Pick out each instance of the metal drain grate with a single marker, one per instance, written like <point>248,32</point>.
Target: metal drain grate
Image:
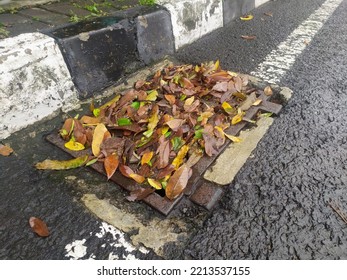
<point>199,190</point>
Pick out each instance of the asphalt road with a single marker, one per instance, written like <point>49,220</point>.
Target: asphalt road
<point>278,205</point>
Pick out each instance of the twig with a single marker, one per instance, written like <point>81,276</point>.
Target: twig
<point>339,212</point>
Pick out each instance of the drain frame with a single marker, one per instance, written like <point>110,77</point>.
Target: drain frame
<point>199,190</point>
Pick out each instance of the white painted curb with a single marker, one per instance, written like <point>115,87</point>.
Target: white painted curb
<point>34,79</point>
<point>260,2</point>
<point>193,19</point>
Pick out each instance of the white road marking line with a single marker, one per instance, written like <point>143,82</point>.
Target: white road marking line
<point>280,60</point>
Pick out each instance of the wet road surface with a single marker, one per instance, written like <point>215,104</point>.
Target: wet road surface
<point>278,205</point>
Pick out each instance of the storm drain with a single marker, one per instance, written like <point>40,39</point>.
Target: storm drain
<point>199,190</point>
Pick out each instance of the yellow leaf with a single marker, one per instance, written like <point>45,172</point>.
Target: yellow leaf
<point>98,137</point>
<point>178,160</point>
<point>155,184</point>
<point>62,164</point>
<point>189,101</point>
<point>205,116</point>
<point>219,132</point>
<point>138,178</point>
<point>216,65</point>
<point>146,158</point>
<point>236,119</point>
<point>164,130</point>
<point>246,17</point>
<point>152,95</point>
<point>257,102</point>
<point>109,103</point>
<point>154,119</point>
<point>228,108</point>
<point>233,138</point>
<point>232,74</point>
<point>74,146</point>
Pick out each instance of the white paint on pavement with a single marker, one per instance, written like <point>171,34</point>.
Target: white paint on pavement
<point>280,60</point>
<point>119,239</point>
<point>77,249</point>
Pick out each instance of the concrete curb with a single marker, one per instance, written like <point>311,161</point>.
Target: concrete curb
<point>43,73</point>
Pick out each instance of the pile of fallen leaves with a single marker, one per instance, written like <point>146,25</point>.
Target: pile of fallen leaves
<point>155,132</point>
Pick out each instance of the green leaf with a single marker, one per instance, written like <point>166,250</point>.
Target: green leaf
<point>143,141</point>
<point>135,105</point>
<point>265,115</point>
<point>64,132</point>
<point>167,134</point>
<point>124,121</point>
<point>198,134</point>
<point>164,184</point>
<point>148,133</point>
<point>94,160</point>
<point>96,112</point>
<point>176,143</point>
<point>183,97</point>
<point>176,79</point>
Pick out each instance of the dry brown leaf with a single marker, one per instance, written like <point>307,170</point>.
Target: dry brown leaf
<point>140,194</point>
<point>170,98</point>
<point>175,124</point>
<point>268,91</point>
<point>248,37</point>
<point>39,227</point>
<point>146,158</point>
<point>111,164</point>
<point>98,137</point>
<point>177,182</point>
<point>90,120</point>
<point>163,152</point>
<point>221,87</point>
<point>5,150</point>
<point>137,178</point>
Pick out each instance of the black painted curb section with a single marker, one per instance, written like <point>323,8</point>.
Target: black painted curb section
<point>100,52</point>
